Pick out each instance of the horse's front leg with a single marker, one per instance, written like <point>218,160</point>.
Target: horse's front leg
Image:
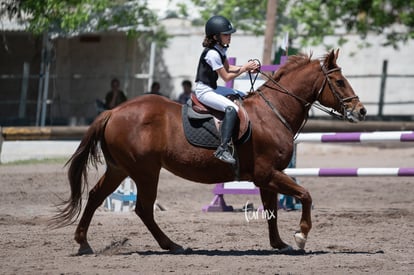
<point>282,183</point>
<point>269,200</point>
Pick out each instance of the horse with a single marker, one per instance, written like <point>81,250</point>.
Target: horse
<point>145,134</point>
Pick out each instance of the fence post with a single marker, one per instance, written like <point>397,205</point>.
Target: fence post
<point>23,94</point>
<point>382,88</point>
<point>41,79</point>
<point>151,64</point>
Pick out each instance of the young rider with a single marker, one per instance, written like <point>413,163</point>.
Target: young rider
<point>213,63</point>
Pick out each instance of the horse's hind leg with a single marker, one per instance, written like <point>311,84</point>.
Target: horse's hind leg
<point>269,200</point>
<point>104,187</point>
<point>147,183</point>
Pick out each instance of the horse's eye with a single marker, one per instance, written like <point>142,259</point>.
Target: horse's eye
<point>340,83</point>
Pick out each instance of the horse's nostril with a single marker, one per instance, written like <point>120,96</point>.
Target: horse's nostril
<point>363,111</point>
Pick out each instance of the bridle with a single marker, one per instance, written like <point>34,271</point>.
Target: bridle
<point>305,103</point>
<point>342,101</point>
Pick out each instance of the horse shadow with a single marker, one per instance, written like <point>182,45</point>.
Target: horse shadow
<point>249,252</point>
<point>119,247</point>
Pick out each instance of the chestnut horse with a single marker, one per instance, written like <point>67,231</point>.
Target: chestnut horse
<point>145,134</point>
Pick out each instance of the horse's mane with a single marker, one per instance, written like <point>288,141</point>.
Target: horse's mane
<point>294,61</point>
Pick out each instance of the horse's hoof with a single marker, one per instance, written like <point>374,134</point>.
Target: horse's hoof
<point>177,249</point>
<point>286,249</point>
<point>85,251</point>
<point>182,250</point>
<point>300,240</point>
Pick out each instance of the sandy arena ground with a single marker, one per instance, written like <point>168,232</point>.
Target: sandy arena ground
<point>360,225</point>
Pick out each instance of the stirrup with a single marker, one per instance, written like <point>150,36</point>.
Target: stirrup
<point>224,155</point>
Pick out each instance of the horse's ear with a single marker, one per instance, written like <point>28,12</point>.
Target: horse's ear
<point>330,60</point>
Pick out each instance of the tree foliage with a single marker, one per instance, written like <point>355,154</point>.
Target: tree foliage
<point>309,21</point>
<point>71,17</point>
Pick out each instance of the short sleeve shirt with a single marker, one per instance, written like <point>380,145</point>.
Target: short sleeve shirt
<point>213,58</point>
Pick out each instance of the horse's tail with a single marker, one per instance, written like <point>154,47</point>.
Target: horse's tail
<point>87,152</point>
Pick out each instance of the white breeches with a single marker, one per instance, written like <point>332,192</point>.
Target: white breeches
<point>215,99</point>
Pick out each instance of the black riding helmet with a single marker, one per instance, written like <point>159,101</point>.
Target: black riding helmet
<point>219,24</point>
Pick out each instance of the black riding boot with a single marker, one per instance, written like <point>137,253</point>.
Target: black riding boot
<point>226,130</point>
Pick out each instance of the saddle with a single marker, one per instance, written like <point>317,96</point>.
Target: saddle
<point>244,121</point>
<point>202,124</point>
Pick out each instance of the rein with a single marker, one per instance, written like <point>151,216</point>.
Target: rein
<point>253,80</point>
<point>305,103</point>
<point>273,108</point>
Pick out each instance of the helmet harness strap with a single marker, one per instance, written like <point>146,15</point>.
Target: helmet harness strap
<point>217,37</point>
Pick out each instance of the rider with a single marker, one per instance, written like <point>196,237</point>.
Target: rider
<point>213,63</point>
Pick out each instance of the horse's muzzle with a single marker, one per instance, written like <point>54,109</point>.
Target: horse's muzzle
<point>356,113</point>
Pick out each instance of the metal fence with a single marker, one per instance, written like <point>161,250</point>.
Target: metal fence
<point>384,78</point>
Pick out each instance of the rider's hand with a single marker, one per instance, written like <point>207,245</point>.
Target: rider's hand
<point>251,66</point>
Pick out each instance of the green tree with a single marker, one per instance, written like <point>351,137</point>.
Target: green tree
<point>71,17</point>
<point>309,21</point>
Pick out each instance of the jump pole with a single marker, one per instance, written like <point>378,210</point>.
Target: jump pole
<point>350,172</point>
<point>218,203</point>
<point>397,136</point>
